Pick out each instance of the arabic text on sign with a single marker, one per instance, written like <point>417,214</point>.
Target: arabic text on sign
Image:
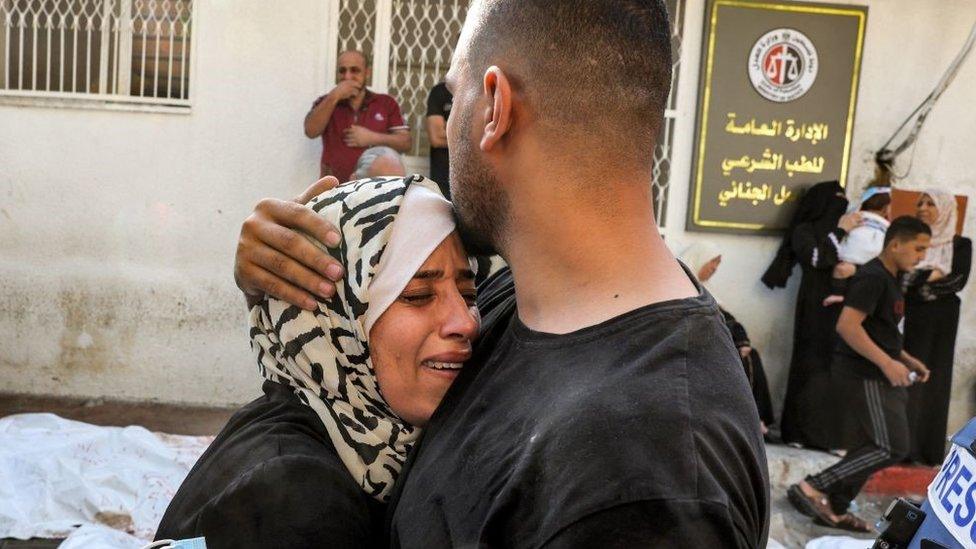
<point>754,194</point>
<point>770,161</point>
<point>789,129</point>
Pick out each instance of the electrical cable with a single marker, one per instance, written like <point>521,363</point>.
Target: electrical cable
<point>887,155</point>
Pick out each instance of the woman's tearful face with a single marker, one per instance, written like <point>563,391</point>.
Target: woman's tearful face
<point>420,343</point>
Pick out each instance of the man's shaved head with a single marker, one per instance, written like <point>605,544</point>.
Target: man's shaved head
<point>354,56</point>
<point>596,67</point>
<point>579,81</point>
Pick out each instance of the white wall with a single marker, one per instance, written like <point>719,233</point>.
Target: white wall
<point>118,229</point>
<point>908,46</point>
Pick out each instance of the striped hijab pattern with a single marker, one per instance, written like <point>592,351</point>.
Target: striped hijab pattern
<point>324,355</point>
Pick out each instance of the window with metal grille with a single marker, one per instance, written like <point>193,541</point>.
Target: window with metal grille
<point>661,180</point>
<point>418,64</point>
<point>411,42</point>
<point>129,51</point>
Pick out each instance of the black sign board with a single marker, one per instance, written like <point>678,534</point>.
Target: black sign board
<point>776,109</point>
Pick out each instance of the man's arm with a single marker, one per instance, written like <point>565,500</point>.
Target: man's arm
<point>358,136</point>
<point>318,118</point>
<point>399,131</point>
<point>437,131</point>
<point>274,257</point>
<point>399,140</point>
<point>851,330</point>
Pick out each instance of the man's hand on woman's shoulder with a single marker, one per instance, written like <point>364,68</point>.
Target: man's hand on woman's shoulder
<point>274,258</point>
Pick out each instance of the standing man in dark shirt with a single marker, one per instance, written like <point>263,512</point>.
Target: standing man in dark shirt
<point>439,104</point>
<point>604,405</point>
<point>351,119</point>
<point>870,373</point>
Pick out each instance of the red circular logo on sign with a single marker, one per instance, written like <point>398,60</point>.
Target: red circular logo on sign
<point>783,65</point>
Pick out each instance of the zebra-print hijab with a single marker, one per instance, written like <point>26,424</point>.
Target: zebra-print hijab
<point>324,355</point>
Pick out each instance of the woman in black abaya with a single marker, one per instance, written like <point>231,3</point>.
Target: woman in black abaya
<point>931,323</point>
<point>812,241</point>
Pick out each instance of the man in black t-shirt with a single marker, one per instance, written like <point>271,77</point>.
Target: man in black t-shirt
<point>438,111</point>
<point>604,405</point>
<point>870,372</point>
<point>633,432</point>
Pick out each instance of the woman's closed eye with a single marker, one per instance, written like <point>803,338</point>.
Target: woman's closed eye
<point>417,298</point>
<point>424,297</point>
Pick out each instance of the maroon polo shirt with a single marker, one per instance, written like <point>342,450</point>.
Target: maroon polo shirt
<point>379,113</point>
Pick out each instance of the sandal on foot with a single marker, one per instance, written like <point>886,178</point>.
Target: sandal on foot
<point>847,521</point>
<point>806,505</point>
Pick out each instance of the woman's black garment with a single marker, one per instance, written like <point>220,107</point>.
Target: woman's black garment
<point>931,323</point>
<point>817,203</point>
<point>808,410</point>
<point>272,478</point>
<point>753,367</point>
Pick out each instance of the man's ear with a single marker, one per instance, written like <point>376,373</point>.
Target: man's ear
<point>498,112</point>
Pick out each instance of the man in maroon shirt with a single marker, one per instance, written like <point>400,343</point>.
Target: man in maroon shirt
<point>350,119</point>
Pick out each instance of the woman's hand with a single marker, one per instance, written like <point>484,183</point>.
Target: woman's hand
<point>850,221</point>
<point>844,270</point>
<point>274,257</point>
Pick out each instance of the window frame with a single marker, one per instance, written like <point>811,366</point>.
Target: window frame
<point>115,102</point>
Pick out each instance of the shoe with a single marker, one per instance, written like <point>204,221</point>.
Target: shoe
<point>808,506</point>
<point>847,521</point>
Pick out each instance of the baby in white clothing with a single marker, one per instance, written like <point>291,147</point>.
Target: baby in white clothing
<point>863,243</point>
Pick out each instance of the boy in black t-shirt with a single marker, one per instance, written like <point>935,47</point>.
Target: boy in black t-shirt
<point>870,372</point>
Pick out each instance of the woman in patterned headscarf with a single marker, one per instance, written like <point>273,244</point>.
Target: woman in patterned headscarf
<point>931,323</point>
<point>313,461</point>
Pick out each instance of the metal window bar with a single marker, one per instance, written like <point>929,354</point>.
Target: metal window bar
<point>130,51</point>
<point>33,71</point>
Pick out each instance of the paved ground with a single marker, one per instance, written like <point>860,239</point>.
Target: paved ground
<point>789,465</point>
